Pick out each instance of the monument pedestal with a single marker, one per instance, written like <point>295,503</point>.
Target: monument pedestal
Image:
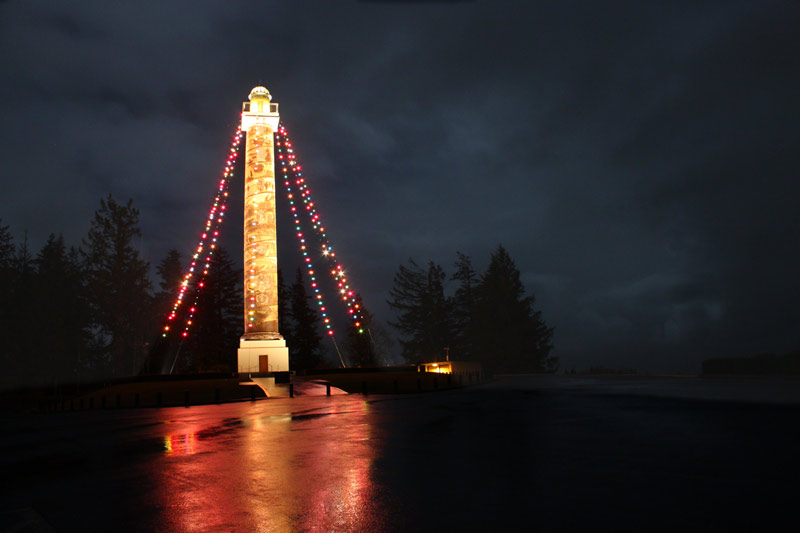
<point>263,356</point>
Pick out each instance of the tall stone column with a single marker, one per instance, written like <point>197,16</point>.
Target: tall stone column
<point>260,237</point>
<point>261,347</point>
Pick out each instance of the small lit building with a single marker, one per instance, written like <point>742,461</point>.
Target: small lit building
<point>439,368</point>
<point>457,368</point>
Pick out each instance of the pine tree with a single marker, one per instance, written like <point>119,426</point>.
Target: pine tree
<point>162,349</point>
<point>510,335</point>
<point>171,272</point>
<point>119,287</point>
<point>463,308</point>
<point>358,344</point>
<point>25,319</point>
<point>7,275</point>
<point>218,322</point>
<point>284,316</point>
<point>423,311</point>
<point>59,289</point>
<point>305,351</point>
<point>6,248</point>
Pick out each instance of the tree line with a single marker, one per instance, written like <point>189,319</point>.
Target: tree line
<point>87,313</point>
<point>301,326</point>
<point>488,318</point>
<point>76,314</point>
<point>61,318</point>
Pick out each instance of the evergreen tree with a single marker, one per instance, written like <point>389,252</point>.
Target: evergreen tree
<point>162,349</point>
<point>406,297</point>
<point>7,275</point>
<point>423,311</point>
<point>284,315</point>
<point>382,342</point>
<point>218,322</point>
<point>59,288</point>
<point>6,248</point>
<point>159,357</point>
<point>510,335</point>
<point>118,287</point>
<point>305,351</point>
<point>463,308</point>
<point>171,272</point>
<point>358,343</point>
<point>25,319</point>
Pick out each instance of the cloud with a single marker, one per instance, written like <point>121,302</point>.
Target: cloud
<point>639,161</point>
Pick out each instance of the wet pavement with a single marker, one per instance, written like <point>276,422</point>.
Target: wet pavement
<point>521,453</point>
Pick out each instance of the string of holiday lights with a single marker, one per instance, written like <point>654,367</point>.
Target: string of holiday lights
<point>200,265</point>
<point>281,149</point>
<point>292,175</point>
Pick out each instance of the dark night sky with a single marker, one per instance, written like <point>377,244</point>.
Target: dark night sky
<point>638,160</point>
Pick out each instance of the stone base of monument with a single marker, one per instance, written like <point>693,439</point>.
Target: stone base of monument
<point>263,356</point>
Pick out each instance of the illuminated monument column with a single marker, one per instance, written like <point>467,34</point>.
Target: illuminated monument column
<point>261,348</point>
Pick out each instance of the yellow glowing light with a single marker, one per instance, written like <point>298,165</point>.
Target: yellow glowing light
<point>439,368</point>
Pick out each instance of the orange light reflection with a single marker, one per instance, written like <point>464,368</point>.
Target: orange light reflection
<point>259,469</point>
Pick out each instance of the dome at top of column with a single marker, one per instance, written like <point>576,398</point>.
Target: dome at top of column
<point>260,92</point>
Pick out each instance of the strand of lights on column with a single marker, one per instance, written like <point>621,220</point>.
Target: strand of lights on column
<point>280,146</point>
<point>291,173</point>
<point>207,243</point>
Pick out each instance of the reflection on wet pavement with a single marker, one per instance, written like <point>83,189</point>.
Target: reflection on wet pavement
<point>549,453</point>
<point>273,472</point>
